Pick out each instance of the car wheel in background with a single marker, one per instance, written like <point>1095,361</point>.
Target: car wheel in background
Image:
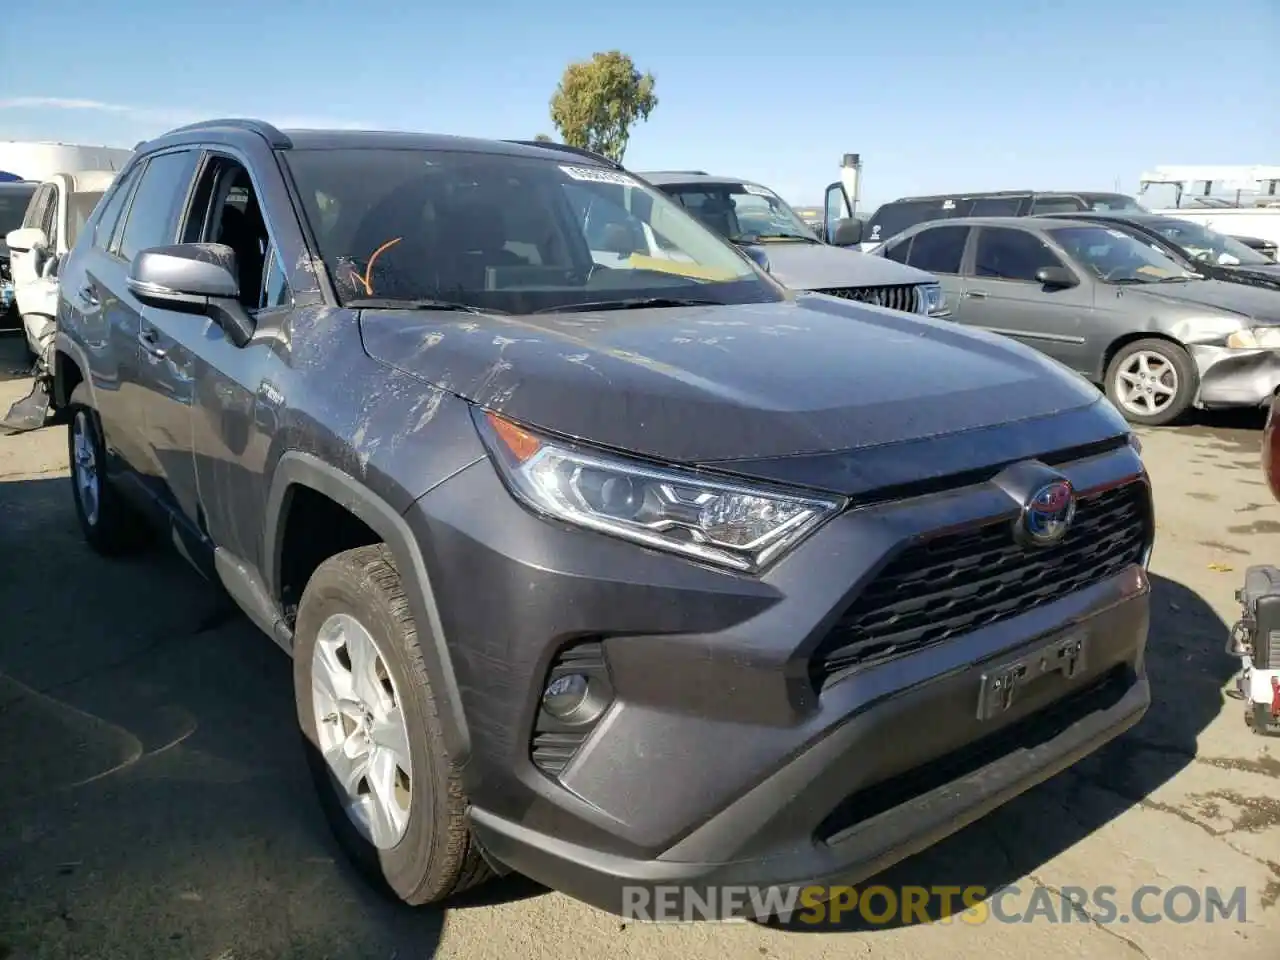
<point>110,525</point>
<point>389,790</point>
<point>1151,382</point>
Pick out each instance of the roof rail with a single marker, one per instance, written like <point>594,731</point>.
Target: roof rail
<point>275,139</point>
<point>577,151</point>
<point>970,195</point>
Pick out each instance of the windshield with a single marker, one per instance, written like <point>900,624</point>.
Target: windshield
<point>1112,201</point>
<point>1207,245</point>
<point>1115,256</point>
<point>507,233</point>
<point>13,207</point>
<point>743,212</point>
<point>81,208</point>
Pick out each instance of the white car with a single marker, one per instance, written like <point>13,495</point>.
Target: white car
<point>57,210</point>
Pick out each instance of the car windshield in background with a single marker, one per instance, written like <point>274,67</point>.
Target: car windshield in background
<point>1102,202</point>
<point>13,206</point>
<point>81,208</point>
<point>1207,245</point>
<point>1115,256</point>
<point>743,212</point>
<point>431,228</point>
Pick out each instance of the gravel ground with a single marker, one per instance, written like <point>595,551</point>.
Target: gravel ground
<point>154,802</point>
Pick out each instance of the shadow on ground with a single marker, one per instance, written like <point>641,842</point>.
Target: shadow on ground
<point>155,800</point>
<point>13,360</point>
<point>1188,668</point>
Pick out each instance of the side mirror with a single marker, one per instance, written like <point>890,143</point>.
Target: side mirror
<point>847,232</point>
<point>1056,278</point>
<point>193,278</point>
<point>757,256</point>
<point>26,239</point>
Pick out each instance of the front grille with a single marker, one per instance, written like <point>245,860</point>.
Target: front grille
<point>904,297</point>
<point>954,583</point>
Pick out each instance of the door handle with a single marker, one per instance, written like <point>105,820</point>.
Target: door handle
<point>147,339</point>
<point>88,295</point>
<point>976,294</point>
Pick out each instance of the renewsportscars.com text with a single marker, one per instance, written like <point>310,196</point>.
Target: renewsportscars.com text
<point>901,906</point>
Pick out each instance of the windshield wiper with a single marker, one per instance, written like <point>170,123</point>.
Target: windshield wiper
<point>391,303</point>
<point>753,237</point>
<point>629,303</point>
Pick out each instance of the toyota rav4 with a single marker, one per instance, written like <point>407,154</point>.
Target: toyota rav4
<point>608,570</point>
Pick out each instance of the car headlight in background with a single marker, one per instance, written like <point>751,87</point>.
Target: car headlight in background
<point>1258,338</point>
<point>730,525</point>
<point>932,302</point>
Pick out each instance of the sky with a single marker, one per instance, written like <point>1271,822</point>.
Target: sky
<point>936,96</point>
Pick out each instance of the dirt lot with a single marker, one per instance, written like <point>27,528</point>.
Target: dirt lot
<point>154,804</point>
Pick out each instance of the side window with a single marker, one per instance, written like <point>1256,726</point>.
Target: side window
<point>897,251</point>
<point>1043,205</point>
<point>275,285</point>
<point>49,222</point>
<point>996,207</point>
<point>939,250</point>
<point>34,216</point>
<point>225,209</point>
<point>1007,254</point>
<point>105,225</point>
<point>152,220</point>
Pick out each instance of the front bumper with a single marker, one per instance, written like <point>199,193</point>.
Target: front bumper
<point>719,760</point>
<point>1235,378</point>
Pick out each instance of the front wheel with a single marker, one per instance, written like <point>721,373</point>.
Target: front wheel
<point>389,789</point>
<point>1152,382</point>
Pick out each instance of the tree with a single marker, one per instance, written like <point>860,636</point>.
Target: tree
<point>543,138</point>
<point>599,100</point>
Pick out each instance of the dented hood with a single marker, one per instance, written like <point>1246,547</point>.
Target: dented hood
<point>803,376</point>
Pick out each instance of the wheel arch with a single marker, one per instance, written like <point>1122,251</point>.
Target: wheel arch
<point>297,469</point>
<point>71,367</point>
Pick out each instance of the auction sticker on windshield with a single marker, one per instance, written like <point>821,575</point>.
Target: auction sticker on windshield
<point>592,175</point>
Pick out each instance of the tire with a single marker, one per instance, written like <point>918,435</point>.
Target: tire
<point>1169,364</point>
<point>433,856</point>
<point>110,525</point>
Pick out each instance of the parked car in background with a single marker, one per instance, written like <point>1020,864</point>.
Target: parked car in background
<point>1158,338</point>
<point>894,217</point>
<point>752,215</point>
<point>618,573</point>
<point>15,196</point>
<point>57,212</point>
<point>1193,247</point>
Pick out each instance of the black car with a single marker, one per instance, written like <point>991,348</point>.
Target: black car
<point>15,195</point>
<point>1193,247</point>
<point>618,571</point>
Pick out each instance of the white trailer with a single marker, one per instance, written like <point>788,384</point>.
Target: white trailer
<point>40,160</point>
<point>1240,201</point>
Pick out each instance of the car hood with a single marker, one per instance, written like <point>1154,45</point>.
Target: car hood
<point>1248,301</point>
<point>755,381</point>
<point>1265,275</point>
<point>813,266</point>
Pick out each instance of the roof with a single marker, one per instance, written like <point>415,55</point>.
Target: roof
<point>369,140</point>
<point>1026,222</point>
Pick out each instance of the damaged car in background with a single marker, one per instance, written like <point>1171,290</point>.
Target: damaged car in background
<point>1158,338</point>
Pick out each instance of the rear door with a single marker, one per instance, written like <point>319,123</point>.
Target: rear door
<point>1003,296</point>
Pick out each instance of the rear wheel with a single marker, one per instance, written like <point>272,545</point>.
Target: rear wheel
<point>388,787</point>
<point>1152,382</point>
<point>109,524</point>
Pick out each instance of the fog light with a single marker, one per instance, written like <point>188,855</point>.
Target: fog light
<point>564,695</point>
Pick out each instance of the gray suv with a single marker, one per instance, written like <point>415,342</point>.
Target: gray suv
<point>609,571</point>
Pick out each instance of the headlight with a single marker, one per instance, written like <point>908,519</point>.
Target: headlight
<point>1264,338</point>
<point>740,527</point>
<point>932,303</point>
